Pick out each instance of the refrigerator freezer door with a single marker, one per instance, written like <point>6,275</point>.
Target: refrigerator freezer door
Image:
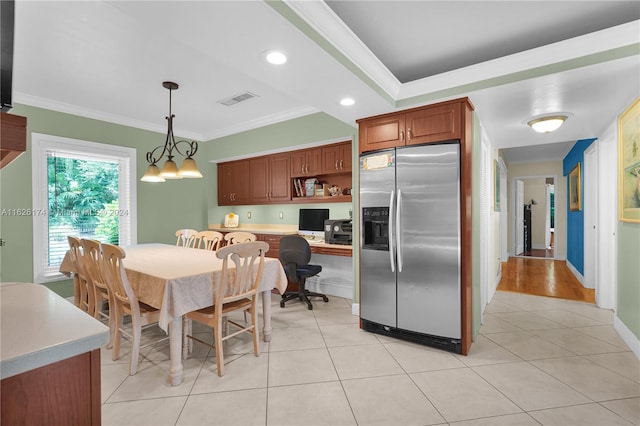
<point>429,239</point>
<point>377,279</point>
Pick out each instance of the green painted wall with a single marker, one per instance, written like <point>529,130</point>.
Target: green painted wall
<point>162,208</point>
<point>310,129</point>
<point>629,276</point>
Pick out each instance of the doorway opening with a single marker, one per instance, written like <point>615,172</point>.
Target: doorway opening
<point>535,224</point>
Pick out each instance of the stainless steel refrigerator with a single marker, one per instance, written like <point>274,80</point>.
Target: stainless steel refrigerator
<point>410,244</point>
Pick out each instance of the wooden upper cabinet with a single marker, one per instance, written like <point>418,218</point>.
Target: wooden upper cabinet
<point>433,123</point>
<point>306,162</point>
<point>279,178</point>
<point>259,179</point>
<point>381,133</point>
<point>13,137</point>
<point>336,158</point>
<point>233,183</point>
<point>269,179</point>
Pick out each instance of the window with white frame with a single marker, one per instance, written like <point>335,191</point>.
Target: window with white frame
<point>80,188</point>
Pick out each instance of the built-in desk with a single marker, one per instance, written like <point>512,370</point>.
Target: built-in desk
<point>336,277</point>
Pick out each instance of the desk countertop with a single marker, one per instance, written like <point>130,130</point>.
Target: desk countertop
<point>275,230</point>
<point>40,328</point>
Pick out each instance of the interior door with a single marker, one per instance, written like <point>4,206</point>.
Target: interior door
<point>519,215</point>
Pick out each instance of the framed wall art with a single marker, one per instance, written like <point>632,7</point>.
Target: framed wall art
<point>629,163</point>
<point>574,189</point>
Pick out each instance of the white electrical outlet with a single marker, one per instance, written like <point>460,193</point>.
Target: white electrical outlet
<point>248,215</point>
<point>281,215</point>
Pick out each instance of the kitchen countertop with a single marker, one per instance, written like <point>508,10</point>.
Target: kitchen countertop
<point>39,327</point>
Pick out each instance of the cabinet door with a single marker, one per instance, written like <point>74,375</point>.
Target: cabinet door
<point>331,159</point>
<point>298,163</point>
<point>259,180</point>
<point>279,178</point>
<point>345,157</point>
<point>433,124</point>
<point>381,133</point>
<point>240,183</point>
<point>314,162</point>
<point>224,184</point>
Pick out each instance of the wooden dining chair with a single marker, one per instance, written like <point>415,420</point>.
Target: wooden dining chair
<point>208,240</point>
<point>125,302</point>
<point>235,290</point>
<point>186,237</point>
<point>237,237</point>
<point>98,283</point>
<point>80,279</point>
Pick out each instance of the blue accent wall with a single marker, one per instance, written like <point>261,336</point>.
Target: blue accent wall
<point>575,219</point>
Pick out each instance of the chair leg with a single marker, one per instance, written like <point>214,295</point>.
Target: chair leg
<point>136,330</point>
<point>117,319</point>
<point>113,325</point>
<point>255,331</point>
<point>217,331</point>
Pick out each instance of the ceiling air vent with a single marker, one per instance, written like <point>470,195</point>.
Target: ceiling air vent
<point>237,99</point>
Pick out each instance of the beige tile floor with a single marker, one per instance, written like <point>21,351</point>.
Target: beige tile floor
<point>536,361</point>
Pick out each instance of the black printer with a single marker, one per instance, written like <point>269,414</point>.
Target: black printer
<point>337,231</point>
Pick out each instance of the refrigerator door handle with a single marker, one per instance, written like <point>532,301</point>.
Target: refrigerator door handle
<point>391,218</point>
<point>398,228</point>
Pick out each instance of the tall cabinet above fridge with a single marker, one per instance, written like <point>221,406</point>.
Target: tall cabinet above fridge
<point>415,225</point>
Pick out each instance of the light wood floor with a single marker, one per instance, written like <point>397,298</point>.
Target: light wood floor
<point>543,277</point>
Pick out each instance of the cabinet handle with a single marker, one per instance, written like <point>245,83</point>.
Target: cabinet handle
<point>341,164</point>
<point>337,162</point>
<point>302,169</point>
<point>402,135</point>
<point>408,134</point>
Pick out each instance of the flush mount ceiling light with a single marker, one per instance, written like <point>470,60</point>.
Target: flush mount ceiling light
<point>548,123</point>
<point>347,102</point>
<point>189,169</point>
<point>276,57</point>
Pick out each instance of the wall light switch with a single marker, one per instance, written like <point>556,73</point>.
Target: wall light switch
<point>281,215</point>
<point>248,215</point>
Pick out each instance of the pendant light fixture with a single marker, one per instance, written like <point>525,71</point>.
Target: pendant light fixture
<point>189,169</point>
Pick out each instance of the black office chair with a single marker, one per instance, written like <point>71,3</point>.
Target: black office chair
<point>295,254</point>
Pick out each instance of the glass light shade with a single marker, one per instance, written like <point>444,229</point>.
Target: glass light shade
<point>276,58</point>
<point>189,169</point>
<point>152,174</point>
<point>547,124</point>
<point>170,170</point>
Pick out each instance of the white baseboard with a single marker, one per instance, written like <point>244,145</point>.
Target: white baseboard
<point>575,272</point>
<point>355,309</point>
<point>330,287</point>
<point>627,335</point>
<point>539,246</point>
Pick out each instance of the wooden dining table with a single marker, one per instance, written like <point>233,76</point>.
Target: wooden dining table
<point>178,280</point>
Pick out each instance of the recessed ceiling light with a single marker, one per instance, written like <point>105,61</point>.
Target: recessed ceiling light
<point>276,57</point>
<point>347,102</point>
<point>547,123</point>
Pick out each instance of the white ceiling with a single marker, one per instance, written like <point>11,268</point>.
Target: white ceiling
<point>107,60</point>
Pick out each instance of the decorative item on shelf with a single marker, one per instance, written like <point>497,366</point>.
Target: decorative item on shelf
<point>231,220</point>
<point>335,190</point>
<point>347,191</point>
<point>189,169</point>
<point>310,186</point>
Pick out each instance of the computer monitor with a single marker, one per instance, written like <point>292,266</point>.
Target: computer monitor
<point>311,222</point>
